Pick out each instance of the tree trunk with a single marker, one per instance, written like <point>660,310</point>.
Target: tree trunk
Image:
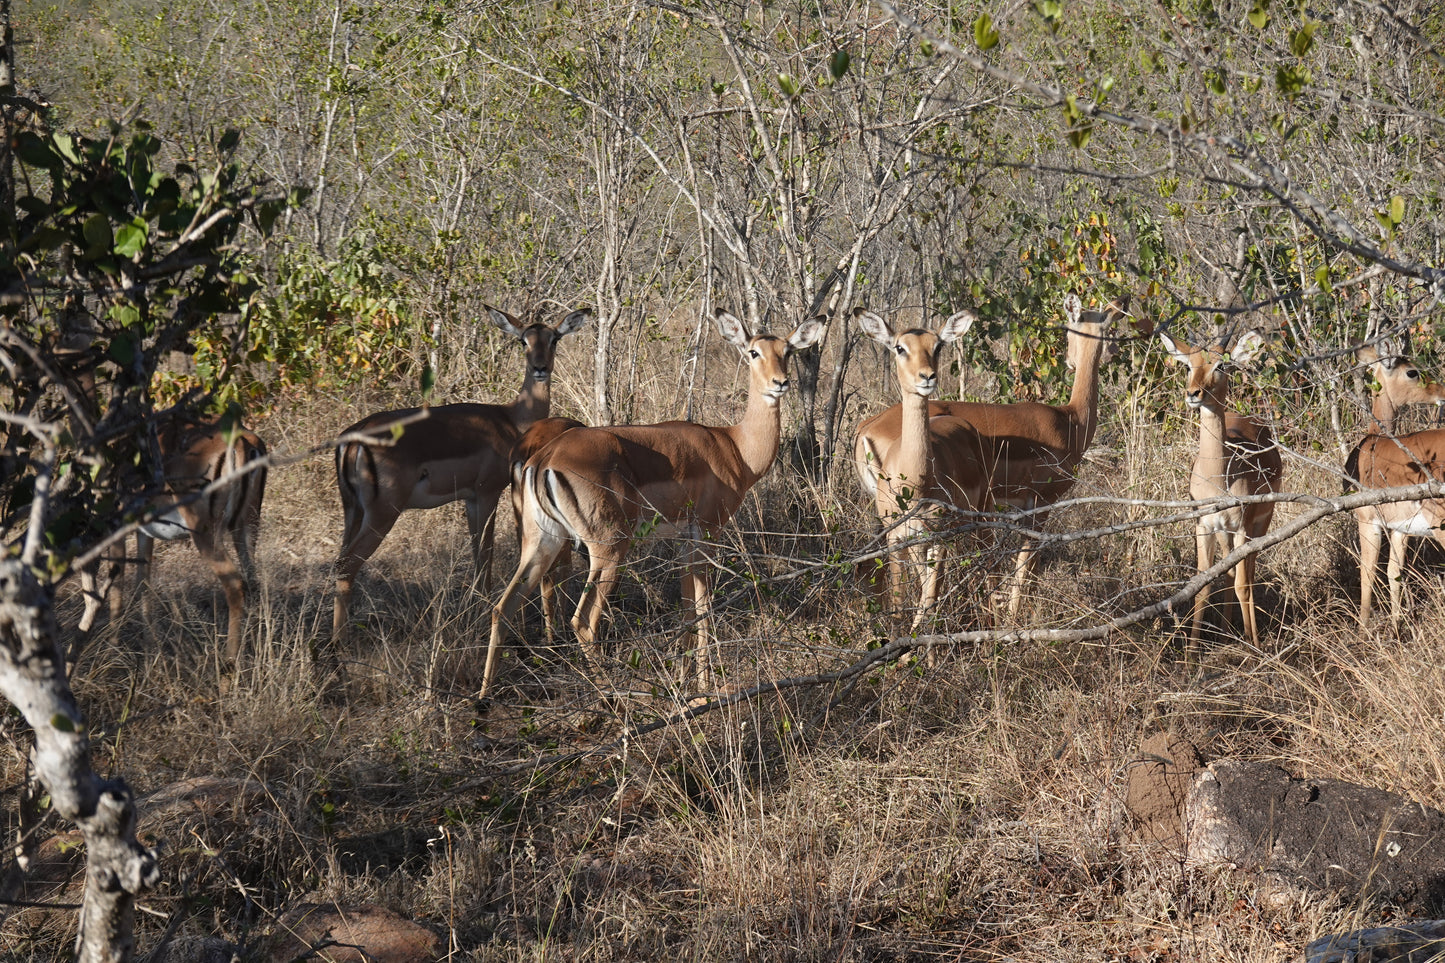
<point>32,677</point>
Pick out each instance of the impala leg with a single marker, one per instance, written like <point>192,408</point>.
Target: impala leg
<point>1023,567</point>
<point>364,534</point>
<point>482,526</point>
<point>145,550</point>
<point>100,589</point>
<point>549,591</point>
<point>933,558</point>
<point>602,577</point>
<point>697,594</point>
<point>1370,536</point>
<point>535,563</point>
<point>1394,571</point>
<point>1244,591</point>
<point>208,543</point>
<point>1204,553</point>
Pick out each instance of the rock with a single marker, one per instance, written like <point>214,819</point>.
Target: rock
<point>1324,834</point>
<point>1158,785</point>
<point>1409,943</point>
<point>360,934</point>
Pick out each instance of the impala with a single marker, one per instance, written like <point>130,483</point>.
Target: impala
<point>1237,456</point>
<point>601,487</point>
<point>1384,460</point>
<point>451,453</point>
<point>195,453</point>
<point>1032,450</point>
<point>923,466</point>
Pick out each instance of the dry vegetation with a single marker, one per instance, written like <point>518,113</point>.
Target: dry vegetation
<point>970,810</point>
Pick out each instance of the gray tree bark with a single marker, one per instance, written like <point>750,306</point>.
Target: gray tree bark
<point>32,677</point>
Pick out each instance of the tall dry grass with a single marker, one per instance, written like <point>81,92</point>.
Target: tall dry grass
<point>965,810</point>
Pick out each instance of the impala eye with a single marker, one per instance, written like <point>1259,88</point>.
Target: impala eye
<point>754,353</point>
<point>1413,373</point>
<point>902,351</point>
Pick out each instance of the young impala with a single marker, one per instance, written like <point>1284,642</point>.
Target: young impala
<point>195,453</point>
<point>1384,460</point>
<point>454,453</point>
<point>918,467</point>
<point>1237,456</point>
<point>602,487</point>
<point>1033,450</point>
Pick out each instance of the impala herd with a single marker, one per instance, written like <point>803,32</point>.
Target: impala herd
<point>927,466</point>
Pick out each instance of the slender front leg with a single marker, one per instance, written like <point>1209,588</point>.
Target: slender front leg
<point>1394,571</point>
<point>482,527</point>
<point>1204,553</point>
<point>697,595</point>
<point>1023,566</point>
<point>1370,536</point>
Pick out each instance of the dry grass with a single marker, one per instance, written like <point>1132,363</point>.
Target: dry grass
<point>965,811</point>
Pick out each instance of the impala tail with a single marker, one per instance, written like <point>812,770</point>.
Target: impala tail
<point>552,502</point>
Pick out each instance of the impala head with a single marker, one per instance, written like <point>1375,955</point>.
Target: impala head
<point>915,351</point>
<point>767,355</point>
<point>1089,330</point>
<point>1209,368</point>
<point>538,339</point>
<point>1399,380</point>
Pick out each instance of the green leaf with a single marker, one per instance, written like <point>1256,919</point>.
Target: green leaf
<point>35,151</point>
<point>788,84</point>
<point>927,48</point>
<point>838,64</point>
<point>228,140</point>
<point>1259,14</point>
<point>428,380</point>
<point>1397,209</point>
<point>96,231</point>
<point>63,723</point>
<point>1301,40</point>
<point>121,350</point>
<point>1322,277</point>
<point>983,32</point>
<point>130,240</point>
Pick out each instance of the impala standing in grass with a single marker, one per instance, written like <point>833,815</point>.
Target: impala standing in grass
<point>1237,456</point>
<point>459,452</point>
<point>601,487</point>
<point>920,470</point>
<point>1384,460</point>
<point>1032,450</point>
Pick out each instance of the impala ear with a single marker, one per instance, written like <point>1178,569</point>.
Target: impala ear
<point>573,322</point>
<point>1247,348</point>
<point>1177,349</point>
<point>874,326</point>
<point>504,321</point>
<point>1073,307</point>
<point>1368,354</point>
<point>807,334</point>
<point>732,328</point>
<point>957,326</point>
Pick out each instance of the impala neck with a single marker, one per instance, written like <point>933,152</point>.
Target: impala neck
<point>533,401</point>
<point>1383,410</point>
<point>1083,403</point>
<point>1210,465</point>
<point>911,462</point>
<point>759,434</point>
